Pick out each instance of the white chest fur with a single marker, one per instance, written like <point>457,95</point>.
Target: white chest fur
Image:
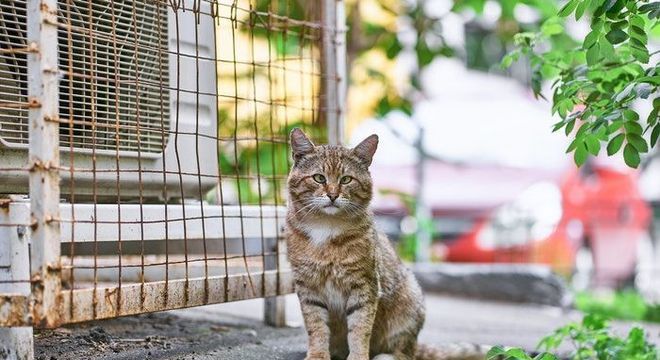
<point>319,235</point>
<point>320,232</point>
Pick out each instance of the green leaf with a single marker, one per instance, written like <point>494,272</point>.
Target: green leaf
<point>640,54</point>
<point>639,33</point>
<point>393,48</point>
<point>606,49</point>
<point>655,80</point>
<point>631,156</point>
<point>638,42</point>
<point>630,115</point>
<point>624,93</point>
<point>604,7</point>
<point>593,55</point>
<point>615,8</point>
<point>650,8</point>
<point>593,145</point>
<point>638,142</point>
<point>580,154</point>
<point>579,10</point>
<point>620,24</point>
<point>509,58</point>
<point>654,135</point>
<point>569,127</point>
<point>591,38</point>
<point>633,127</point>
<point>615,144</point>
<point>616,36</point>
<point>518,354</point>
<point>652,119</point>
<point>614,126</point>
<point>425,55</point>
<point>545,356</point>
<point>573,145</point>
<point>495,352</point>
<point>568,8</point>
<point>551,28</point>
<point>637,21</point>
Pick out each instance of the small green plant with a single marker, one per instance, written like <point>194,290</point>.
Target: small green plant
<point>624,305</point>
<point>652,313</point>
<point>591,339</point>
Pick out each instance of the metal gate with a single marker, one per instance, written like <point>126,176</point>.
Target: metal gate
<point>144,151</point>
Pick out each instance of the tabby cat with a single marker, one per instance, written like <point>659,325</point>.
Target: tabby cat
<point>358,300</point>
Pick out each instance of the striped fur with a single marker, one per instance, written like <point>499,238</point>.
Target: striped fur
<point>358,300</point>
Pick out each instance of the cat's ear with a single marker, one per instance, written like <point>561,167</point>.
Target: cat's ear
<point>366,149</point>
<point>300,144</point>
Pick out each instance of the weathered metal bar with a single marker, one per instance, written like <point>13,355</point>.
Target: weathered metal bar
<point>44,159</point>
<point>147,222</point>
<point>16,340</point>
<point>154,269</point>
<point>15,314</point>
<point>334,68</point>
<point>274,306</point>
<point>153,292</point>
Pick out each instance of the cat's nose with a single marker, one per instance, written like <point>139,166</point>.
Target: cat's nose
<point>332,196</point>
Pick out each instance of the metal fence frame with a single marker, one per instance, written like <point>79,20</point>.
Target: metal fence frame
<point>32,295</point>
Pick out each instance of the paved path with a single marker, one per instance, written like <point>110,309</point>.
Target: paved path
<point>235,332</point>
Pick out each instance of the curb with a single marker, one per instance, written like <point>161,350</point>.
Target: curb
<point>535,284</point>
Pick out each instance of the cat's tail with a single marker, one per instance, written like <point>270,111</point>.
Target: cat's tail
<point>457,351</point>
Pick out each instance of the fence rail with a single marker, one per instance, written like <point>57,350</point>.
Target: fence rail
<point>144,152</point>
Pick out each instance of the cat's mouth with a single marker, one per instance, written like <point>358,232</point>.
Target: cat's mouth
<point>330,209</point>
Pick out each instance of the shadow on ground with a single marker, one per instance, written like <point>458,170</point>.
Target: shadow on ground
<point>168,336</point>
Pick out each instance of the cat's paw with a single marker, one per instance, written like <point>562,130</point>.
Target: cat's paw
<point>318,356</point>
<point>358,357</point>
<point>384,357</point>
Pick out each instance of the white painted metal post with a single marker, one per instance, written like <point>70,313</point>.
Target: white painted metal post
<point>43,88</point>
<point>274,306</point>
<point>334,79</point>
<point>15,342</point>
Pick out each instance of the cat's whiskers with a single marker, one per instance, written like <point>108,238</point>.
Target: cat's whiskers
<point>314,207</point>
<point>304,208</point>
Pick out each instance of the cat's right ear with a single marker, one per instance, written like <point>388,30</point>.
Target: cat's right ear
<point>300,144</point>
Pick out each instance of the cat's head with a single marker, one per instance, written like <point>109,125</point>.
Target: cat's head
<point>329,180</point>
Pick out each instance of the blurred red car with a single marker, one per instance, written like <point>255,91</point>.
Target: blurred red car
<point>576,220</point>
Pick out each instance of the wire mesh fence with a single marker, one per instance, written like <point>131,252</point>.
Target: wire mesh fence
<point>144,149</point>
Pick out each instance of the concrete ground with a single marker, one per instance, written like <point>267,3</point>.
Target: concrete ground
<point>235,331</point>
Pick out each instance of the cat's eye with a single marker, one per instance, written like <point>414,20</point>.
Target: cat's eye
<point>319,178</point>
<point>345,180</point>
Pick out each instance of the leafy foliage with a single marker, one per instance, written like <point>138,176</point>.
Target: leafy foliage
<point>595,80</point>
<point>591,339</point>
<point>595,83</point>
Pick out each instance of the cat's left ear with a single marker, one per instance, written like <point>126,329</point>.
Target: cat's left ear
<point>366,149</point>
<point>300,144</point>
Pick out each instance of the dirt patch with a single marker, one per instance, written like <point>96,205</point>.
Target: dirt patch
<point>150,336</point>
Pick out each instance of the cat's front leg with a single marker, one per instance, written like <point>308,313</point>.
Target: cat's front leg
<point>360,313</point>
<point>315,315</point>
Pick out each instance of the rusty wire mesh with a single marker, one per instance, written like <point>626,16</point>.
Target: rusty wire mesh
<point>14,218</point>
<point>173,130</point>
